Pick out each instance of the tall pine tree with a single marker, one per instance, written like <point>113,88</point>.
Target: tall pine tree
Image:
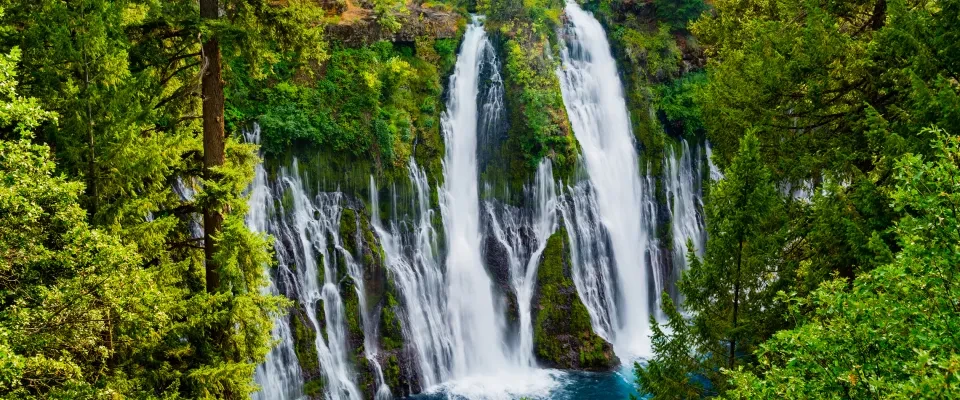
<point>729,294</point>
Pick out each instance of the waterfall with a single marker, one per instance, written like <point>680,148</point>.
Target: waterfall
<point>412,252</point>
<point>279,376</point>
<point>524,237</point>
<point>715,174</point>
<point>684,201</point>
<point>451,320</point>
<point>478,342</point>
<point>595,102</point>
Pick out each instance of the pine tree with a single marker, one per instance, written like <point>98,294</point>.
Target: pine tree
<point>125,78</point>
<point>728,294</point>
<point>892,332</point>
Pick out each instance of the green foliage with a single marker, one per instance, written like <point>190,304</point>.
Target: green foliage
<point>677,102</point>
<point>75,298</point>
<point>678,13</point>
<point>676,370</point>
<point>387,11</point>
<point>538,119</point>
<point>121,76</point>
<point>835,95</point>
<point>378,102</point>
<point>654,53</point>
<point>893,333</point>
<point>539,122</point>
<point>730,293</point>
<point>808,78</point>
<point>23,114</point>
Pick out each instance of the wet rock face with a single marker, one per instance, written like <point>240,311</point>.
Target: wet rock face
<point>360,27</point>
<point>395,359</point>
<point>563,335</point>
<point>497,260</point>
<point>399,372</point>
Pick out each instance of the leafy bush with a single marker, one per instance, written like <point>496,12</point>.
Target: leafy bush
<point>373,101</point>
<point>678,13</point>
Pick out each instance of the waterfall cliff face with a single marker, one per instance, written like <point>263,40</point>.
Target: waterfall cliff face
<point>439,292</point>
<point>593,95</point>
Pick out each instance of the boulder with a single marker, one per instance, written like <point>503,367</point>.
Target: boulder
<point>563,335</point>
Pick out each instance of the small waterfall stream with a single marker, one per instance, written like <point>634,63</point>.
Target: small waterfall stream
<point>308,231</point>
<point>411,246</point>
<point>685,202</point>
<point>524,237</point>
<point>279,376</point>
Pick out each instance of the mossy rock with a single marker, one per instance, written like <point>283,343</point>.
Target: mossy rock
<point>314,388</point>
<point>351,308</point>
<point>563,335</point>
<point>348,230</point>
<point>391,332</point>
<point>304,342</point>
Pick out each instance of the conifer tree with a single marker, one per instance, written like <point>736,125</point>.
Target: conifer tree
<point>892,332</point>
<point>728,294</point>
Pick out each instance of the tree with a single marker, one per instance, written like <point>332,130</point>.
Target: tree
<point>729,293</point>
<point>214,144</point>
<point>125,77</point>
<point>893,334</point>
<point>74,301</point>
<point>836,92</point>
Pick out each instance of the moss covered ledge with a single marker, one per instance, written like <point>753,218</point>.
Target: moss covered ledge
<point>563,336</point>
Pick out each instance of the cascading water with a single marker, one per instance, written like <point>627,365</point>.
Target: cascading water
<point>509,226</point>
<point>681,183</point>
<point>593,272</point>
<point>303,232</point>
<point>478,342</point>
<point>279,376</point>
<point>594,99</point>
<point>412,252</point>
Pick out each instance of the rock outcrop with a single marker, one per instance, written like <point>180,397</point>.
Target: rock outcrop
<point>563,337</point>
<point>359,26</point>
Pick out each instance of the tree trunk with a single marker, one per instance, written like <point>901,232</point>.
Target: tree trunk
<point>879,17</point>
<point>736,307</point>
<point>213,139</point>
